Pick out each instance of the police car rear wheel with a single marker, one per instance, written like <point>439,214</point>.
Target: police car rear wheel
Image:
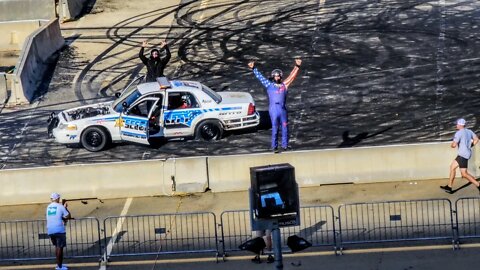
<point>94,139</point>
<point>209,130</point>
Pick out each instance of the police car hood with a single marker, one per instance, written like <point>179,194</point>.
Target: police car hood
<point>88,111</point>
<point>235,97</point>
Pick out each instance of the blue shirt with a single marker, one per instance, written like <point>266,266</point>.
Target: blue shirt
<point>55,213</point>
<point>463,138</point>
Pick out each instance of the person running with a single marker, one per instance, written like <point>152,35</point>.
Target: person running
<point>155,64</point>
<point>277,90</point>
<point>57,216</point>
<point>464,139</point>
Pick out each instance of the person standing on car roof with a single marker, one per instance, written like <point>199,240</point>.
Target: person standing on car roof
<point>155,64</point>
<point>277,90</point>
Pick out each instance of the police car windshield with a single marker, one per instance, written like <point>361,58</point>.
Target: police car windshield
<point>214,95</point>
<point>128,97</point>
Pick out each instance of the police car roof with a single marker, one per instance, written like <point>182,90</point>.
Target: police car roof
<point>150,87</point>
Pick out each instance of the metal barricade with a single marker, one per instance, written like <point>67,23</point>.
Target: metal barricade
<point>161,234</point>
<point>395,221</point>
<point>317,225</point>
<point>28,239</point>
<point>468,218</point>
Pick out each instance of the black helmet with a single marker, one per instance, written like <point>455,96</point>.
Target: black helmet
<point>277,72</point>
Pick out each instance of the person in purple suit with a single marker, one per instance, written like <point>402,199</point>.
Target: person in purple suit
<point>277,90</point>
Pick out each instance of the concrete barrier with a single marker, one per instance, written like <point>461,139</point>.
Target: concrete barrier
<point>112,180</point>
<point>3,88</point>
<point>70,9</point>
<point>15,10</point>
<point>14,33</point>
<point>104,181</point>
<point>188,175</point>
<point>346,165</point>
<point>228,173</point>
<point>32,64</point>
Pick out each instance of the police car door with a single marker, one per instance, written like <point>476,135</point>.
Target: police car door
<point>182,110</point>
<point>135,125</point>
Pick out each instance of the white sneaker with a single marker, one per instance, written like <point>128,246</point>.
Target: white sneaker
<point>64,267</point>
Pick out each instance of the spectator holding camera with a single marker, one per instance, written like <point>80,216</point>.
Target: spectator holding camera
<point>57,216</point>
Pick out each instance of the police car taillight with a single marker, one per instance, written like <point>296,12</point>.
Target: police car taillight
<point>251,109</point>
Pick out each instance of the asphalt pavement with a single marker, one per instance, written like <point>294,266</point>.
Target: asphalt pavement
<point>373,73</point>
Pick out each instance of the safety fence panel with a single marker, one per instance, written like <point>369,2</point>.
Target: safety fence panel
<point>317,225</point>
<point>468,217</point>
<point>161,234</point>
<point>28,239</point>
<point>395,221</point>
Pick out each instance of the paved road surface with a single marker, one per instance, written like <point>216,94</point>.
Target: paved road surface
<point>374,73</point>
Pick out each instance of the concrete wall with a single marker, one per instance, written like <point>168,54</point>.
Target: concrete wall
<point>70,9</point>
<point>14,33</point>
<point>6,82</point>
<point>17,10</point>
<point>112,180</point>
<point>3,88</point>
<point>346,165</point>
<point>32,64</point>
<point>228,173</point>
<point>187,175</point>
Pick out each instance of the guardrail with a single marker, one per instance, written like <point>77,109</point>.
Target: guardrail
<point>28,240</point>
<point>395,221</point>
<point>162,234</point>
<point>183,233</point>
<point>467,218</point>
<point>317,225</point>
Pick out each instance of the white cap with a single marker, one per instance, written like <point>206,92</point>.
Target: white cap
<point>55,196</point>
<point>461,122</point>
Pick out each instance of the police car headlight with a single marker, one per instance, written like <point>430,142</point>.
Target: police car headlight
<point>67,126</point>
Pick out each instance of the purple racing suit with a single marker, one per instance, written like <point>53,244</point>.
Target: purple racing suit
<point>277,95</point>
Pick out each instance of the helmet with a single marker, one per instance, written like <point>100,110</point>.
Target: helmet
<point>277,72</point>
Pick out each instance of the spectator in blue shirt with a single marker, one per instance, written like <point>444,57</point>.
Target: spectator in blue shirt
<point>464,139</point>
<point>57,216</point>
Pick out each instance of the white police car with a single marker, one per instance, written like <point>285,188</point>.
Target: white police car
<point>162,109</point>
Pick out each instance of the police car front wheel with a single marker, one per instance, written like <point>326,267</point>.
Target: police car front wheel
<point>209,130</point>
<point>94,139</point>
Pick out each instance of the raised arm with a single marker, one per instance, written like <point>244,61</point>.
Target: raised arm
<point>294,73</point>
<point>168,55</point>
<point>141,53</point>
<point>265,82</point>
